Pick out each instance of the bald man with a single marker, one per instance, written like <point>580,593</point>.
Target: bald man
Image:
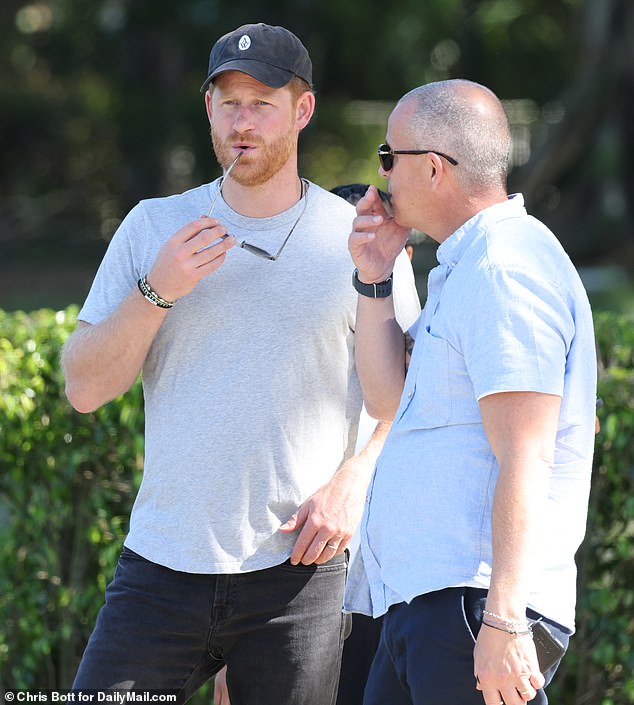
<point>479,497</point>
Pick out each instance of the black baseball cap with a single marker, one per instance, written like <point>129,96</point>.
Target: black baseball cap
<point>272,55</point>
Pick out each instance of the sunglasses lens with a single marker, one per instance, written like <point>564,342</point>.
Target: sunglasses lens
<point>386,157</point>
<point>258,251</point>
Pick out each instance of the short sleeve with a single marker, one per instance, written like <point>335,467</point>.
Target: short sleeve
<point>517,334</point>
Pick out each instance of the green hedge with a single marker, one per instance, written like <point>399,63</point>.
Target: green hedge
<point>66,484</point>
<point>599,666</point>
<point>67,481</point>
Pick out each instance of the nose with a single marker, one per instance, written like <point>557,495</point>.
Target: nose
<point>242,120</point>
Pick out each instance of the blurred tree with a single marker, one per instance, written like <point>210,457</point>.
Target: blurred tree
<point>580,177</point>
<point>100,107</point>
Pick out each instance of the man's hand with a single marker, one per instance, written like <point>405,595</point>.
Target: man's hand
<point>376,239</point>
<point>329,517</point>
<point>506,667</point>
<point>189,256</point>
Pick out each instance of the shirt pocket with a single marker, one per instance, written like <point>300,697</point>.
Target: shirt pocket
<point>427,397</point>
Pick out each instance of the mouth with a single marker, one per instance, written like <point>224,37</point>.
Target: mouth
<point>243,148</point>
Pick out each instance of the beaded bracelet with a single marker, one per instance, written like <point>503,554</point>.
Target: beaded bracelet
<point>151,295</point>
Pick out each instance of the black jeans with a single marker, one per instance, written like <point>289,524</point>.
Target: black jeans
<point>279,630</point>
<point>425,656</point>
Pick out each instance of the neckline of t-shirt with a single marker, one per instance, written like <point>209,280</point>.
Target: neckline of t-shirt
<point>228,216</point>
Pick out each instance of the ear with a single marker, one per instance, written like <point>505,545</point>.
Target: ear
<point>436,170</point>
<point>304,110</point>
<point>208,105</point>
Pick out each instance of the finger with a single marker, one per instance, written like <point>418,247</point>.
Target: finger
<point>537,679</point>
<point>207,237</point>
<point>290,525</point>
<point>310,544</point>
<point>318,552</point>
<point>371,203</point>
<point>343,544</point>
<point>527,692</point>
<point>298,519</point>
<point>363,231</point>
<point>303,549</point>
<point>492,696</point>
<point>358,241</point>
<point>212,256</point>
<point>191,230</point>
<point>304,538</point>
<point>327,554</point>
<point>367,223</point>
<point>213,261</point>
<point>510,696</point>
<point>323,549</point>
<point>332,548</point>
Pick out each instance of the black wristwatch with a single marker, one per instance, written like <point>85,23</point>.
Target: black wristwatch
<point>380,290</point>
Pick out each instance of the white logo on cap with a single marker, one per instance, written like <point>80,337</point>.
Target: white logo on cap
<point>244,43</point>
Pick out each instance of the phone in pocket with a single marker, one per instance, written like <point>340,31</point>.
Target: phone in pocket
<point>549,648</point>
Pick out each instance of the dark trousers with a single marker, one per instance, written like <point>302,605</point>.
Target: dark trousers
<point>425,655</point>
<point>280,632</point>
<point>358,653</point>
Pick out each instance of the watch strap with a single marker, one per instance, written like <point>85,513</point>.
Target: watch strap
<point>379,290</point>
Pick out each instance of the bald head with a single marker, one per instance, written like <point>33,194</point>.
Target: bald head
<point>467,121</point>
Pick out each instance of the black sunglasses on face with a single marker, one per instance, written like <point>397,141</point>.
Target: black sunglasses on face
<point>386,155</point>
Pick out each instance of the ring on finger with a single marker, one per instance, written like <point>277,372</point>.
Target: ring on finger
<point>332,546</point>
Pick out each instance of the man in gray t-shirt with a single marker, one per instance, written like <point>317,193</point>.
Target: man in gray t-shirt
<point>242,323</point>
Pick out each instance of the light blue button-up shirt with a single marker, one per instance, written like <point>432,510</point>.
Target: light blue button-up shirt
<point>506,311</point>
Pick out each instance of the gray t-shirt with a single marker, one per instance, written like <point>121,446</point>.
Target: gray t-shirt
<point>251,395</point>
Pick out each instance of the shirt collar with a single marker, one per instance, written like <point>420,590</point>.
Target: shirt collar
<point>452,249</point>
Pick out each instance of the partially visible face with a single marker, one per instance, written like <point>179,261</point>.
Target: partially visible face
<point>405,176</point>
<point>249,117</point>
